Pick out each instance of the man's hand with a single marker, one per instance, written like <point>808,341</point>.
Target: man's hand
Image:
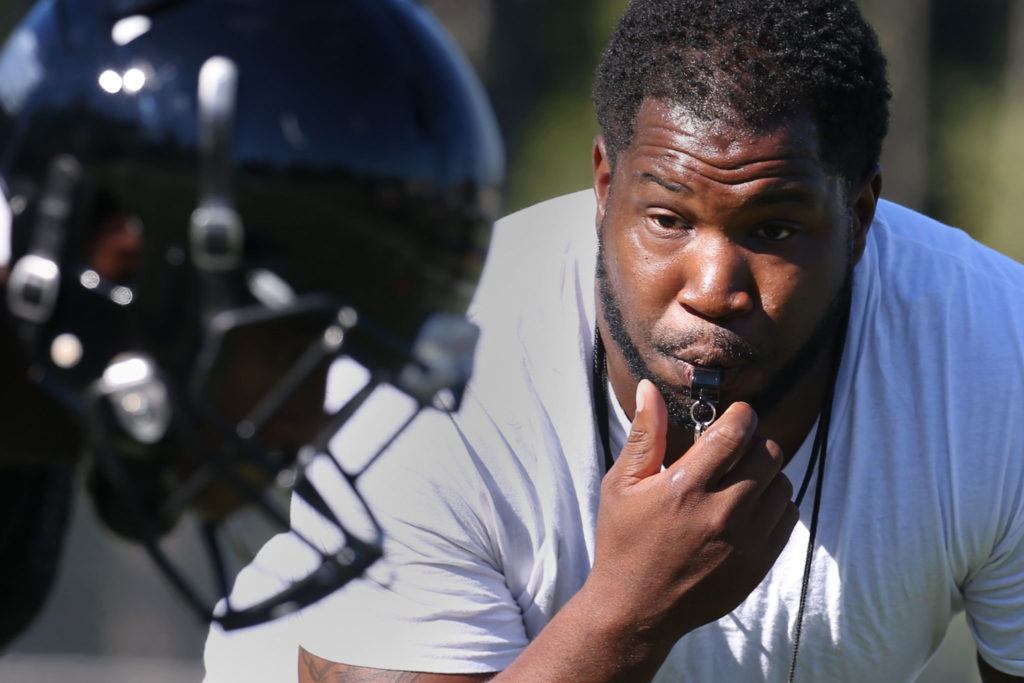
<point>675,550</point>
<point>679,548</point>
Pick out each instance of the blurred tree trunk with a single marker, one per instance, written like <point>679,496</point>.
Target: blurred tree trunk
<point>469,23</point>
<point>1007,201</point>
<point>540,71</point>
<point>903,28</point>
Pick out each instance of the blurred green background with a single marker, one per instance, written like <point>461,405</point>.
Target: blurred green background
<point>955,152</point>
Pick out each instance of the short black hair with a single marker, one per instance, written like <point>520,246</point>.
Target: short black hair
<point>753,62</point>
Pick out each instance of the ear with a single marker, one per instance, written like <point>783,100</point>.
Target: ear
<point>864,203</point>
<point>602,177</point>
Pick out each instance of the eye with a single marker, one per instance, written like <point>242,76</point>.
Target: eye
<point>775,232</point>
<point>667,221</point>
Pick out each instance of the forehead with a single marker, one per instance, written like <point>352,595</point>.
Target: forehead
<point>669,139</point>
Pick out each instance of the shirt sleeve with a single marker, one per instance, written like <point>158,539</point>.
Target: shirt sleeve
<point>438,600</point>
<point>269,652</point>
<point>994,594</point>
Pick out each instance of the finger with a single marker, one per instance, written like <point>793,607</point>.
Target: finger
<point>644,451</point>
<point>720,448</point>
<point>758,467</point>
<point>772,504</point>
<point>779,536</point>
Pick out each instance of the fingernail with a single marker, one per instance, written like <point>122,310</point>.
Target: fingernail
<point>639,397</point>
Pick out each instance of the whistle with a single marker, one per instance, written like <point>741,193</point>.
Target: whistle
<point>704,393</point>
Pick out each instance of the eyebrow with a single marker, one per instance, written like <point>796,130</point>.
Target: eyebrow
<point>670,186</point>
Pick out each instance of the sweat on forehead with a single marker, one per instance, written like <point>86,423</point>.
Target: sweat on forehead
<point>753,64</point>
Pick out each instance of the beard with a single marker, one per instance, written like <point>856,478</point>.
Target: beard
<point>778,386</point>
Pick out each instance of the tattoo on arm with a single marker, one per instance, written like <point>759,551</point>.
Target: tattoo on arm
<point>313,669</point>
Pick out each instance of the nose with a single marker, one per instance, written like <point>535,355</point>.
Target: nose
<point>717,280</point>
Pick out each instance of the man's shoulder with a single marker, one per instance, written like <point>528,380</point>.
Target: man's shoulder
<point>917,246</point>
<point>535,308</point>
<point>539,270</point>
<point>928,278</point>
<point>942,312</point>
<point>575,209</point>
<point>537,235</point>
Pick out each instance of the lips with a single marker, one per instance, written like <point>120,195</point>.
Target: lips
<point>712,358</point>
<point>732,368</point>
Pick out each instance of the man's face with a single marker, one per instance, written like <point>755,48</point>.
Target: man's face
<point>722,247</point>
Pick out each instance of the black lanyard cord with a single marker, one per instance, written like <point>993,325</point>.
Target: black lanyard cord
<point>599,378</point>
<point>818,455</point>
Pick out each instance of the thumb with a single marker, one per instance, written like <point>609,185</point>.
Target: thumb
<point>644,451</point>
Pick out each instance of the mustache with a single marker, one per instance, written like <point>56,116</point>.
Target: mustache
<point>723,341</point>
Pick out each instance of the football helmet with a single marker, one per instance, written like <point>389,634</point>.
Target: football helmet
<point>210,201</point>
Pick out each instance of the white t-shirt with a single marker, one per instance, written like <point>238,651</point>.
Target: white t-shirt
<point>490,517</point>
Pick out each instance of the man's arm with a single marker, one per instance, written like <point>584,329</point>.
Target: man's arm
<point>990,675</point>
<point>313,669</point>
<point>675,549</point>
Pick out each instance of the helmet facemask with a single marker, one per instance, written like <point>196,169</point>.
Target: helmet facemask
<point>197,356</point>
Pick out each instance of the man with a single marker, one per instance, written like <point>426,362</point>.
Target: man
<point>871,352</point>
<point>196,219</point>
